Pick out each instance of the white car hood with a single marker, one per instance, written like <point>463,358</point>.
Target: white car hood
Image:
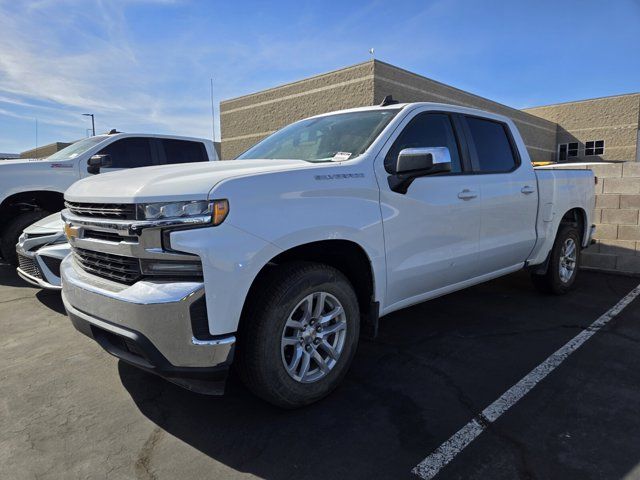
<point>185,181</point>
<point>48,225</point>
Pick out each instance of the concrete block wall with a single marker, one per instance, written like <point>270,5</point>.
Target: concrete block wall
<point>246,120</point>
<point>613,119</point>
<point>617,218</point>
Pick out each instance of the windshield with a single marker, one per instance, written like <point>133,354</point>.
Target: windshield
<point>75,149</point>
<point>333,137</point>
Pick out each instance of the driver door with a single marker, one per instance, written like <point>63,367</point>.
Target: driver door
<point>432,231</point>
<point>128,152</point>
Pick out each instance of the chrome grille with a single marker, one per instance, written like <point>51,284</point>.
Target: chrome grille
<point>29,266</point>
<point>108,236</point>
<point>118,211</point>
<point>113,267</point>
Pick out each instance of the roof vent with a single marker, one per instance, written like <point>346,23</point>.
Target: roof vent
<point>388,100</point>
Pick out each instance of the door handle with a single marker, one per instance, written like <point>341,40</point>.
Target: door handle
<point>467,194</point>
<point>527,189</point>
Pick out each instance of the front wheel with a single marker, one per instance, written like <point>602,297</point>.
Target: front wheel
<point>299,335</point>
<point>564,262</point>
<point>14,229</point>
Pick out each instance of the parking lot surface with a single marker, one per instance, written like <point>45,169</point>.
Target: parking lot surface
<point>70,410</point>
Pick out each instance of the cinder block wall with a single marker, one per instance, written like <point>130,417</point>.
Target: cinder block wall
<point>246,120</point>
<point>616,215</point>
<point>612,119</point>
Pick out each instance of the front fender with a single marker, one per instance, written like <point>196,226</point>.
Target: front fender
<point>231,260</point>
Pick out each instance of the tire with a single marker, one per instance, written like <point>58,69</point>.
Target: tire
<point>283,294</point>
<point>13,231</point>
<point>555,281</point>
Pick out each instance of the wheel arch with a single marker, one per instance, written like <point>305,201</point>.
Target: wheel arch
<point>17,203</point>
<point>347,256</point>
<point>577,217</point>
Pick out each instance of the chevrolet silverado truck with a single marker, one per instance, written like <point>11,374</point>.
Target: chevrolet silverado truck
<point>278,260</point>
<point>31,189</point>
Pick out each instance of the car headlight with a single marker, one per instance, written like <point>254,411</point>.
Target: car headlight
<point>199,211</point>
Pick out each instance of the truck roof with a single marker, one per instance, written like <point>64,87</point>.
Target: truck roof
<point>435,105</point>
<point>153,135</point>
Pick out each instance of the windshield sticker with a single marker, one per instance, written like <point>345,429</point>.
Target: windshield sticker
<point>341,156</point>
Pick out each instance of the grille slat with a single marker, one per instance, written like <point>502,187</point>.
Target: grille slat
<point>29,266</point>
<point>108,236</point>
<point>106,265</point>
<point>117,211</point>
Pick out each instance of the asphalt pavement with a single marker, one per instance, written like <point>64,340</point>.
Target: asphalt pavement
<point>69,410</point>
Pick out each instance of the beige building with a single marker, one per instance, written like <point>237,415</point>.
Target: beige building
<point>610,123</point>
<point>44,150</point>
<point>595,129</point>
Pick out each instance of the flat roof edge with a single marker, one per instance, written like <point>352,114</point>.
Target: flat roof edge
<point>295,82</point>
<point>595,99</point>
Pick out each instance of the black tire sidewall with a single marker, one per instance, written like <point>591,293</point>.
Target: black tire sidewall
<point>564,233</point>
<point>271,326</point>
<point>14,229</point>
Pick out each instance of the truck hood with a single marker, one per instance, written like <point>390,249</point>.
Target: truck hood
<point>33,163</point>
<point>185,181</point>
<point>17,161</point>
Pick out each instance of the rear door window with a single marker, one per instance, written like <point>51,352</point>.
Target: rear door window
<point>183,151</point>
<point>492,149</point>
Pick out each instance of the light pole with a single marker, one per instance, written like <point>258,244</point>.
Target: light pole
<point>93,125</point>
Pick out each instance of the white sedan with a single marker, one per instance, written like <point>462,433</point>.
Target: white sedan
<point>40,249</point>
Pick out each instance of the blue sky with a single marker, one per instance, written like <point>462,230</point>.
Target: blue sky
<point>144,65</point>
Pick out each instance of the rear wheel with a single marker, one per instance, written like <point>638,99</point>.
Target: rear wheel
<point>13,231</point>
<point>300,334</point>
<point>563,263</point>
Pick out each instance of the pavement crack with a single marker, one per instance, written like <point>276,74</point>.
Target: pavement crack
<point>16,299</point>
<point>143,462</point>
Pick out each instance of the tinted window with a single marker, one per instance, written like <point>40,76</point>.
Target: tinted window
<point>425,130</point>
<point>182,151</point>
<point>129,153</point>
<point>492,145</point>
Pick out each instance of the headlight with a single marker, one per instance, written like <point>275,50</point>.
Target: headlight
<point>201,211</point>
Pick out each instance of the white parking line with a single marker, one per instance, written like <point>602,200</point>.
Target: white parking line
<point>446,452</point>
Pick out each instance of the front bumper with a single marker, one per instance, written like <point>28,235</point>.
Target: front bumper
<point>41,267</point>
<point>150,325</point>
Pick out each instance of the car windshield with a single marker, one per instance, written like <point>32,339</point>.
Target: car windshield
<point>341,136</point>
<point>75,149</point>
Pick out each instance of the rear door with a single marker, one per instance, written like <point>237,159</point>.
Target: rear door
<point>509,195</point>
<point>431,231</point>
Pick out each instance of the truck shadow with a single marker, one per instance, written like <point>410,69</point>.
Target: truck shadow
<point>432,368</point>
<point>51,299</point>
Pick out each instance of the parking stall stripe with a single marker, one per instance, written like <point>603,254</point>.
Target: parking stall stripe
<point>446,452</point>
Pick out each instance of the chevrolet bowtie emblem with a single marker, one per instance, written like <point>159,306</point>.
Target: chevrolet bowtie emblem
<point>71,232</point>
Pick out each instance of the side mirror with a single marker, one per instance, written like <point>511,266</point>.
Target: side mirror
<point>98,161</point>
<point>418,162</point>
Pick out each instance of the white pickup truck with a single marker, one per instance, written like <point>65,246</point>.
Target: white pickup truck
<point>31,189</point>
<point>279,259</point>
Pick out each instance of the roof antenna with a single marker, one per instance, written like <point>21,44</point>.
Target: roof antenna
<point>388,100</point>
